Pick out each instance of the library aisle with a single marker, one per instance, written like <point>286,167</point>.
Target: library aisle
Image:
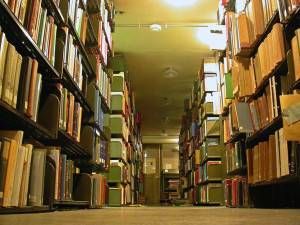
<point>160,216</point>
<point>149,112</point>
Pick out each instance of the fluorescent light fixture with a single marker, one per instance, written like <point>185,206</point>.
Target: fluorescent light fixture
<point>155,27</point>
<point>180,3</point>
<point>214,36</point>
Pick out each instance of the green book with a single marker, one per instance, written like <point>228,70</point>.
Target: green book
<point>42,28</point>
<point>228,86</point>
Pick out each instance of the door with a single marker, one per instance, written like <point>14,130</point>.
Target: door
<point>152,174</point>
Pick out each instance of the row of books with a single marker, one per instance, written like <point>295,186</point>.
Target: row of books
<point>103,82</point>
<point>73,59</point>
<point>235,156</point>
<point>64,171</point>
<point>19,91</point>
<point>95,101</point>
<point>209,171</point>
<point>244,29</point>
<point>249,117</point>
<point>70,115</point>
<point>248,74</point>
<point>272,159</point>
<point>236,192</point>
<point>293,62</point>
<point>27,163</point>
<point>286,8</point>
<point>209,194</point>
<point>78,17</point>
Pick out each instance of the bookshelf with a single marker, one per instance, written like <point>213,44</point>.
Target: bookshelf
<point>55,121</point>
<point>201,145</point>
<point>126,154</point>
<point>253,101</point>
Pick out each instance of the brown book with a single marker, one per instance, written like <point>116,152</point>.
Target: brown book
<point>31,93</point>
<point>32,23</point>
<point>296,57</point>
<point>22,11</point>
<point>243,31</point>
<point>84,23</point>
<point>51,35</point>
<point>70,114</point>
<point>16,80</point>
<point>249,154</point>
<point>24,84</point>
<point>9,180</point>
<point>9,71</point>
<point>12,5</point>
<point>272,158</point>
<point>258,15</point>
<point>278,41</point>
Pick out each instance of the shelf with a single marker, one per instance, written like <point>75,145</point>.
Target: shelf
<point>71,85</point>
<point>71,204</point>
<point>291,24</point>
<point>210,158</point>
<point>210,181</point>
<point>251,51</point>
<point>279,70</point>
<point>12,119</point>
<point>69,146</point>
<point>295,86</point>
<point>55,12</point>
<point>95,125</point>
<point>262,134</point>
<point>238,171</point>
<point>89,166</point>
<point>235,138</point>
<point>18,36</point>
<point>281,180</point>
<point>83,52</point>
<point>27,209</point>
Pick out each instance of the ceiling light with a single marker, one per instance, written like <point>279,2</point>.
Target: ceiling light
<point>181,3</point>
<point>155,27</point>
<point>169,72</point>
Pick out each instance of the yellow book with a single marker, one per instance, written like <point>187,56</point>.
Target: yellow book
<point>9,70</point>
<point>296,58</point>
<point>3,52</point>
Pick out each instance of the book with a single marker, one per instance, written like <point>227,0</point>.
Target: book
<point>3,168</point>
<point>36,184</point>
<point>9,71</point>
<point>32,89</point>
<point>3,52</point>
<point>20,158</point>
<point>296,55</point>
<point>25,176</point>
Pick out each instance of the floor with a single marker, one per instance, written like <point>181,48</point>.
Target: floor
<point>159,216</point>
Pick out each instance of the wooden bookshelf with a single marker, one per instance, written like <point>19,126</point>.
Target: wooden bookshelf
<point>250,52</point>
<point>87,65</point>
<point>17,34</point>
<point>25,210</point>
<point>55,12</point>
<point>11,118</point>
<point>70,84</point>
<point>281,180</point>
<point>262,134</point>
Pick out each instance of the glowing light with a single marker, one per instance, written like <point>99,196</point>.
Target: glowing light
<point>181,3</point>
<point>155,27</point>
<point>215,40</point>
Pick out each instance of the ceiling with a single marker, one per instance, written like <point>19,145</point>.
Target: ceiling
<point>148,54</point>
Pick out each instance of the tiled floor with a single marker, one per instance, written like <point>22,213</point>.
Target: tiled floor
<point>159,216</point>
